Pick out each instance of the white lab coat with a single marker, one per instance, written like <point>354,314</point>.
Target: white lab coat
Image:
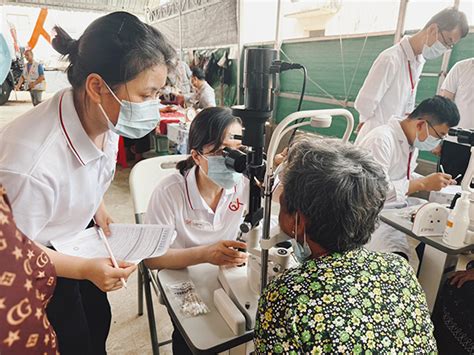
<point>389,89</point>
<point>389,146</point>
<point>460,82</point>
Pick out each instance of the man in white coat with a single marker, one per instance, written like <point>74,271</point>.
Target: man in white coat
<point>390,86</point>
<point>395,146</point>
<point>459,86</point>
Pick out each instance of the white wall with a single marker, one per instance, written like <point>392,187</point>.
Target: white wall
<point>354,16</point>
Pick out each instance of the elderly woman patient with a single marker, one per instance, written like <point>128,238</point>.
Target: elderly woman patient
<point>342,298</point>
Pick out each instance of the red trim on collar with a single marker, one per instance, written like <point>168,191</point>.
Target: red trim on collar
<point>64,130</point>
<point>411,77</point>
<point>187,190</point>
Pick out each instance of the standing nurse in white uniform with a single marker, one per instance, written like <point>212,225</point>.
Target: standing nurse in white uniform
<point>390,86</point>
<point>58,159</point>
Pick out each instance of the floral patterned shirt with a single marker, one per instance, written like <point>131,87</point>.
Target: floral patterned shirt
<point>358,301</point>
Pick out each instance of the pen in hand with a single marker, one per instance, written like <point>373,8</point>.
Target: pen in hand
<point>109,250</point>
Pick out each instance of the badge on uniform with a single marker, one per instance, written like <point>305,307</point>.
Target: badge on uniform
<point>235,205</point>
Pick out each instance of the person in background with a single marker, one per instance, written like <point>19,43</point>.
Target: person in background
<point>459,87</point>
<point>205,201</point>
<point>342,298</point>
<point>395,146</point>
<point>203,95</point>
<point>33,78</point>
<point>390,86</point>
<point>182,77</point>
<point>58,172</point>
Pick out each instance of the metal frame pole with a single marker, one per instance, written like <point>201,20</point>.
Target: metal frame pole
<point>401,21</point>
<point>277,46</point>
<point>180,30</point>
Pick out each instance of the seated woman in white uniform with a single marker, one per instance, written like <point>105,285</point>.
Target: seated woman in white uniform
<point>204,200</point>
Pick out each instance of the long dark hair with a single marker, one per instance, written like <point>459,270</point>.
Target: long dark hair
<point>117,46</point>
<point>207,128</point>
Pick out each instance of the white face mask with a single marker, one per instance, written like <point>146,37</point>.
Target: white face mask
<point>136,119</point>
<point>436,50</point>
<point>429,143</point>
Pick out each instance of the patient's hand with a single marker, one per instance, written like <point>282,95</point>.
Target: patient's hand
<point>224,253</point>
<point>460,277</point>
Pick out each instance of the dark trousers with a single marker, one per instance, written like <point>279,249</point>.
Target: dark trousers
<point>141,145</point>
<point>179,344</point>
<point>80,314</point>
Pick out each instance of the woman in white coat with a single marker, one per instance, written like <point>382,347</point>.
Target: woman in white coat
<point>58,159</point>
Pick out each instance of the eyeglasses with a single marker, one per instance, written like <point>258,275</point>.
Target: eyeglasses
<point>439,136</point>
<point>217,153</point>
<point>449,46</point>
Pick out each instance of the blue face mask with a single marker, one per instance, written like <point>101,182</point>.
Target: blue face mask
<point>136,119</point>
<point>218,172</point>
<point>302,251</point>
<point>429,143</point>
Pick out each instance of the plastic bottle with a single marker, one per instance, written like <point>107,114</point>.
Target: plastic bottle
<point>458,222</point>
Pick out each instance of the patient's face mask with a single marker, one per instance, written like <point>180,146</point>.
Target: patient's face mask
<point>302,251</point>
<point>429,143</point>
<point>136,119</point>
<point>218,172</point>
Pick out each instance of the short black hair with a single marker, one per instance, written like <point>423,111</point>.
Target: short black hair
<point>117,46</point>
<point>438,110</point>
<point>198,73</point>
<point>449,19</point>
<point>207,128</point>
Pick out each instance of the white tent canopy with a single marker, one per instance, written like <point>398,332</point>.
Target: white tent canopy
<point>134,6</point>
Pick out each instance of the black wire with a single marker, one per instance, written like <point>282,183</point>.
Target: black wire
<point>303,89</point>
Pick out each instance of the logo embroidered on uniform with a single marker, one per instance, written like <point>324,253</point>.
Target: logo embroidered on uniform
<point>235,206</point>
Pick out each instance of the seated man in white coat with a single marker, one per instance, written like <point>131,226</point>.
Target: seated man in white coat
<point>395,146</point>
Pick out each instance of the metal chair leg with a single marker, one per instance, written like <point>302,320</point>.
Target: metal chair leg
<point>150,311</point>
<point>140,291</point>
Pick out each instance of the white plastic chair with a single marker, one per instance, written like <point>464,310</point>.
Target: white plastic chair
<point>143,179</point>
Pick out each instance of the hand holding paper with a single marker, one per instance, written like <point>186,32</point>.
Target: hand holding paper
<point>129,242</point>
<point>109,250</point>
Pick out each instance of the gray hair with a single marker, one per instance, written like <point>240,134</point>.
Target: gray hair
<point>339,188</point>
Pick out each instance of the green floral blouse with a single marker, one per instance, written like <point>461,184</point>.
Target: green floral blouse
<point>358,301</point>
